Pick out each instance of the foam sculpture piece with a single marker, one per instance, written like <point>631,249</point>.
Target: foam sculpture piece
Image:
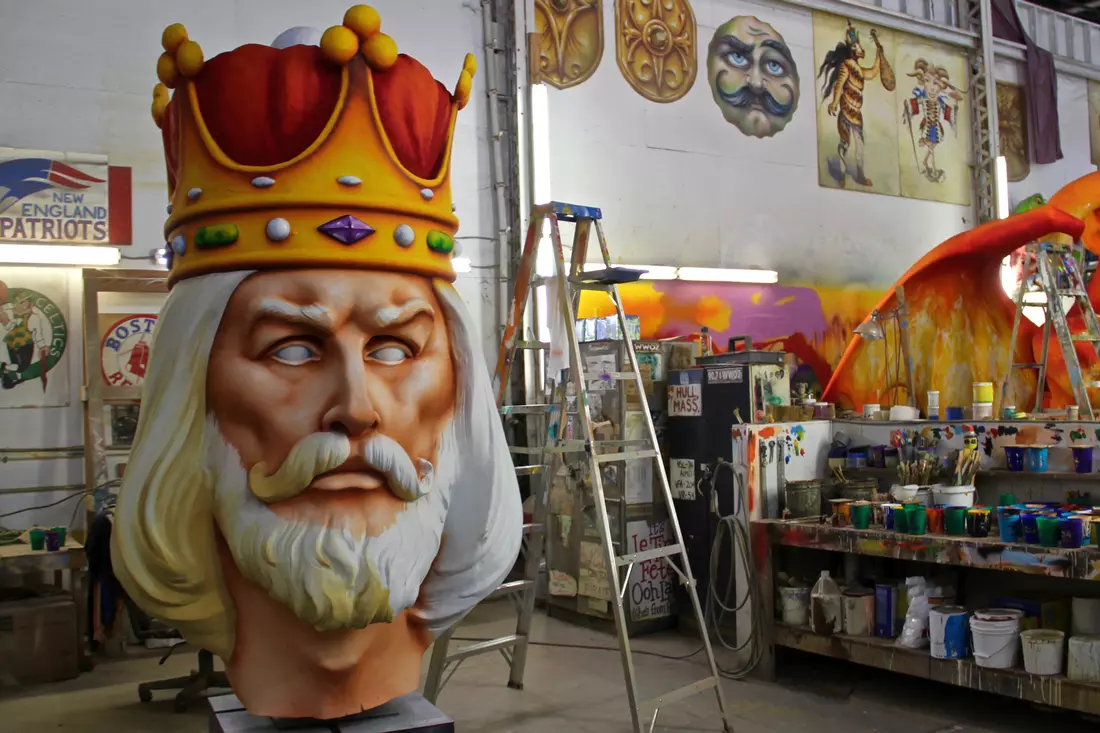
<point>961,319</point>
<point>319,484</point>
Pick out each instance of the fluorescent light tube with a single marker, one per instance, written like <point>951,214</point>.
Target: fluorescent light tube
<point>728,275</point>
<point>58,254</point>
<point>462,265</point>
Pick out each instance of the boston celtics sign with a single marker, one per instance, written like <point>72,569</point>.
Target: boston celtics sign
<point>35,336</point>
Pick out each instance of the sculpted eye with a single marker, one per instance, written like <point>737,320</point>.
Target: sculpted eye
<point>390,354</point>
<point>295,355</point>
<point>735,59</point>
<point>775,68</point>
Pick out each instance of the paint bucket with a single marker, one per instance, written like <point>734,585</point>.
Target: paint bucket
<point>859,612</point>
<point>886,610</point>
<point>996,643</point>
<point>1073,530</point>
<point>1014,457</point>
<point>954,521</point>
<point>1029,524</point>
<point>948,630</point>
<point>1082,458</point>
<point>1084,659</point>
<point>861,490</point>
<point>905,493</point>
<point>1043,651</point>
<point>982,392</point>
<point>795,605</point>
<point>904,413</point>
<point>1037,456</point>
<point>954,413</point>
<point>933,409</point>
<point>1085,619</point>
<point>981,411</point>
<point>870,409</point>
<point>804,499</point>
<point>954,495</point>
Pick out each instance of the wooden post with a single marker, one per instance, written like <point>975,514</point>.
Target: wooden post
<point>903,335</point>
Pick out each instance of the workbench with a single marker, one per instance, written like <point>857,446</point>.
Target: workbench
<point>19,560</point>
<point>769,535</point>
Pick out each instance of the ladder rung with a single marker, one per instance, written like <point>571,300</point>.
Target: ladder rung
<point>686,691</point>
<point>514,586</point>
<point>656,552</point>
<point>1086,337</point>
<point>532,345</point>
<point>636,455</point>
<point>483,647</point>
<point>573,212</point>
<point>525,409</point>
<point>531,470</point>
<point>1027,366</point>
<point>609,376</point>
<point>603,287</point>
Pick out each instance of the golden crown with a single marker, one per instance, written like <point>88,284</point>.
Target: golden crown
<point>307,156</point>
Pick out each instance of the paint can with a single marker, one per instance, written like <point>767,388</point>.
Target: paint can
<point>1084,659</point>
<point>804,498</point>
<point>933,405</point>
<point>982,392</point>
<point>886,610</point>
<point>1043,651</point>
<point>981,411</point>
<point>860,490</point>
<point>954,413</point>
<point>996,643</point>
<point>859,612</point>
<point>1085,619</point>
<point>949,632</point>
<point>870,409</point>
<point>795,605</point>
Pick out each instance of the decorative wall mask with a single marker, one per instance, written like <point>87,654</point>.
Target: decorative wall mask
<point>570,40</point>
<point>655,47</point>
<point>319,483</point>
<point>1012,124</point>
<point>753,76</point>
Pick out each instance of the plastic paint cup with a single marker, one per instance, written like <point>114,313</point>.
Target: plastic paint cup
<point>954,413</point>
<point>1014,457</point>
<point>62,532</point>
<point>1009,527</point>
<point>1029,524</point>
<point>1082,458</point>
<point>861,515</point>
<point>915,519</point>
<point>977,523</point>
<point>1073,530</point>
<point>1006,500</point>
<point>53,541</point>
<point>38,539</point>
<point>934,516</point>
<point>1050,531</point>
<point>954,520</point>
<point>901,520</point>
<point>1037,457</point>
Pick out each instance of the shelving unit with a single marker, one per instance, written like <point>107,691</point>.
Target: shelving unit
<point>768,535</point>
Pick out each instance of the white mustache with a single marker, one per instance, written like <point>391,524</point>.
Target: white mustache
<point>320,453</point>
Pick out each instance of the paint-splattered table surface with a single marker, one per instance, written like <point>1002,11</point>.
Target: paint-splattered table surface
<point>19,558</point>
<point>986,553</point>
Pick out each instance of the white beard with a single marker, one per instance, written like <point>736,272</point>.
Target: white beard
<point>330,577</point>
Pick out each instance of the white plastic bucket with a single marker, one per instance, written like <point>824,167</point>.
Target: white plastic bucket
<point>1084,659</point>
<point>1086,615</point>
<point>795,604</point>
<point>996,643</point>
<point>999,614</point>
<point>905,493</point>
<point>947,631</point>
<point>954,495</point>
<point>1043,651</point>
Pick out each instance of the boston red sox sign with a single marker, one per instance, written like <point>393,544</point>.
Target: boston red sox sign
<point>125,350</point>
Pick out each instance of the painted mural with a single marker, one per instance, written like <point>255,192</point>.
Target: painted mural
<point>655,44</point>
<point>877,137</point>
<point>753,76</point>
<point>1012,127</point>
<point>570,40</point>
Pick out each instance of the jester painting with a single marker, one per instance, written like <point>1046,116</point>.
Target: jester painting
<point>844,81</point>
<point>933,102</point>
<point>319,483</point>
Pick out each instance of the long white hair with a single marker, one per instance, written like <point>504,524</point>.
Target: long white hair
<point>164,545</point>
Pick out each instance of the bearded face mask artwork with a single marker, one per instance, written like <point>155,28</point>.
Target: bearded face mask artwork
<point>319,483</point>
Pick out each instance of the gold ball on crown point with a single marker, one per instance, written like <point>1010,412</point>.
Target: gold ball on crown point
<point>160,106</point>
<point>470,64</point>
<point>339,44</point>
<point>189,59</point>
<point>364,20</point>
<point>173,37</point>
<point>463,88</point>
<point>160,91</point>
<point>380,51</point>
<point>167,72</point>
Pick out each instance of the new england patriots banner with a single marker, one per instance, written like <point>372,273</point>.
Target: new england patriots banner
<point>53,197</point>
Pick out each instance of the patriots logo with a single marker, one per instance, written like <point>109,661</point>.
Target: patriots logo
<point>25,176</point>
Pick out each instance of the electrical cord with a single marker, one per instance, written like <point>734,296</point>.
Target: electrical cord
<point>740,547</point>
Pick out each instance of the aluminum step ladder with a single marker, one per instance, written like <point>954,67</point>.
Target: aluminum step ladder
<point>595,452</point>
<point>1054,268</point>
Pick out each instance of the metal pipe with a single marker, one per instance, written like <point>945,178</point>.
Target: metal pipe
<point>70,489</point>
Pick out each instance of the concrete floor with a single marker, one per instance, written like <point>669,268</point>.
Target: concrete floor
<point>579,691</point>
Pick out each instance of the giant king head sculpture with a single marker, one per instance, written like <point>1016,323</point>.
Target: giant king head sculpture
<point>319,484</point>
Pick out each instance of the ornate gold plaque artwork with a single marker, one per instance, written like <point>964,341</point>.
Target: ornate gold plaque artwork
<point>655,47</point>
<point>1012,126</point>
<point>570,38</point>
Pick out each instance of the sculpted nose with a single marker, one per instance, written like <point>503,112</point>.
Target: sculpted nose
<point>353,412</point>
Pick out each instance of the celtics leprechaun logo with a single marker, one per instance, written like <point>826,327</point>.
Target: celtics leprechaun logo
<point>34,335</point>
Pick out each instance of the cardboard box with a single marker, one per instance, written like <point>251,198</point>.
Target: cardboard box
<point>38,640</point>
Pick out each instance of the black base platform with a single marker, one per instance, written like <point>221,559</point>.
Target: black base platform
<point>410,713</point>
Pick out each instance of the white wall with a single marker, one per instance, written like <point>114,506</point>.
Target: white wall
<point>78,75</point>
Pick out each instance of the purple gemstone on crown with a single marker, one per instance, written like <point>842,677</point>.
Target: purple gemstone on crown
<point>347,229</point>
